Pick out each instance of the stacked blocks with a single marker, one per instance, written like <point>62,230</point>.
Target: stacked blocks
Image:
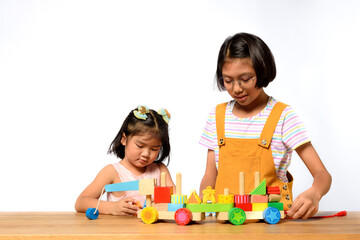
<point>178,198</point>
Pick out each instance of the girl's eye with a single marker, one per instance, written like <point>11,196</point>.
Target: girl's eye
<point>155,149</point>
<point>138,145</point>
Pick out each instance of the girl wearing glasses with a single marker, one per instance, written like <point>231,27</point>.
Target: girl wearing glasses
<point>256,133</point>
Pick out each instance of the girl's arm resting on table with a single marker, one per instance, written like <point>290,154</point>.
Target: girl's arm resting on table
<point>90,196</point>
<point>210,175</point>
<point>307,203</point>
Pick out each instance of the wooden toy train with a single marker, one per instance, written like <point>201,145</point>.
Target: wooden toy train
<point>262,203</point>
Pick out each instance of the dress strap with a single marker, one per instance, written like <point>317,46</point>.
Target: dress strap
<point>220,123</point>
<point>270,125</point>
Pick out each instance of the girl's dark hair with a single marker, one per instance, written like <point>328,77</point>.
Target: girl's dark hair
<point>243,45</point>
<point>154,124</point>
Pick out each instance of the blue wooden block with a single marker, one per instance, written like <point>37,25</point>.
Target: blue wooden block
<point>173,207</point>
<point>123,186</point>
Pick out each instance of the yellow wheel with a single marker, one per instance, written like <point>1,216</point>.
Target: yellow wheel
<point>149,215</point>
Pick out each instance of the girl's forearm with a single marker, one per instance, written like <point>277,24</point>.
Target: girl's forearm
<point>322,182</point>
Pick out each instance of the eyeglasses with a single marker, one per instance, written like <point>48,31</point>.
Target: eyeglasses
<point>244,83</point>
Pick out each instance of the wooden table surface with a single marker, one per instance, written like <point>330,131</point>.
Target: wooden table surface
<point>71,225</point>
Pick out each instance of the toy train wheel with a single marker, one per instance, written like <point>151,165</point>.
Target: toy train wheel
<point>149,215</point>
<point>90,213</point>
<point>183,216</point>
<point>237,216</point>
<point>271,215</point>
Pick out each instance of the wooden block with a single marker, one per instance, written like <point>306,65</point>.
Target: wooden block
<point>178,184</point>
<point>166,215</point>
<point>123,186</point>
<point>163,179</point>
<point>178,199</point>
<point>259,206</point>
<point>160,206</point>
<point>244,206</point>
<point>259,198</point>
<point>222,216</point>
<point>214,207</point>
<point>254,215</point>
<point>241,183</point>
<point>277,205</point>
<point>273,190</point>
<point>257,179</point>
<point>209,195</point>
<point>226,198</point>
<point>193,198</point>
<point>163,194</point>
<point>260,190</point>
<point>146,186</point>
<point>173,207</point>
<point>242,199</point>
<point>274,198</point>
<point>198,216</point>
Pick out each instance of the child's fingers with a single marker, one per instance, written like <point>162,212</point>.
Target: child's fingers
<point>294,209</point>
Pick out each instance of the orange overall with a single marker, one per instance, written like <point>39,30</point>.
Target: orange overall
<point>249,156</point>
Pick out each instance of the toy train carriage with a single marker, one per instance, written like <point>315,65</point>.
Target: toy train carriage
<point>261,204</point>
<point>236,208</point>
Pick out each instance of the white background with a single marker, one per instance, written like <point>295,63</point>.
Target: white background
<point>71,71</point>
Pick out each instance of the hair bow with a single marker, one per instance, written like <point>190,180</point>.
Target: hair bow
<point>165,114</point>
<point>141,112</point>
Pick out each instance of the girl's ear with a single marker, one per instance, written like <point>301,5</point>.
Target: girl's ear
<point>123,139</point>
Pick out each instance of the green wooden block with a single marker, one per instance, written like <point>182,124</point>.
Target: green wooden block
<point>261,189</point>
<point>278,205</point>
<point>213,207</point>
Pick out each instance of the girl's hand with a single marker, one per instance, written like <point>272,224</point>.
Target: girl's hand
<point>305,205</point>
<point>124,207</point>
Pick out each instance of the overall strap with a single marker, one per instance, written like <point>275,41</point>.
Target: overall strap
<point>220,123</point>
<point>270,125</point>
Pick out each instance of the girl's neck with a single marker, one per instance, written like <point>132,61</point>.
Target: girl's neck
<point>134,169</point>
<point>252,109</point>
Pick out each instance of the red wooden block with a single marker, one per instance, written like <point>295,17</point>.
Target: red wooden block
<point>242,199</point>
<point>273,190</point>
<point>163,194</point>
<point>244,206</point>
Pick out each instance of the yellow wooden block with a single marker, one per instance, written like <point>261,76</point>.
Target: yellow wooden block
<point>209,195</point>
<point>225,198</point>
<point>177,199</point>
<point>259,206</point>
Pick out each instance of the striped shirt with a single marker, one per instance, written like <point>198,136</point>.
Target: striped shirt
<point>289,134</point>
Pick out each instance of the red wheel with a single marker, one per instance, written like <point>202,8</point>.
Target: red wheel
<point>183,216</point>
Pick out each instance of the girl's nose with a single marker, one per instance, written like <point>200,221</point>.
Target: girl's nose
<point>237,87</point>
<point>145,152</point>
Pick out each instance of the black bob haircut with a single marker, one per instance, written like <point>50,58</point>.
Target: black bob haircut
<point>154,125</point>
<point>245,45</point>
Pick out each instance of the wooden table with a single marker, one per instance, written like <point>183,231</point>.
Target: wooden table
<point>71,225</point>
